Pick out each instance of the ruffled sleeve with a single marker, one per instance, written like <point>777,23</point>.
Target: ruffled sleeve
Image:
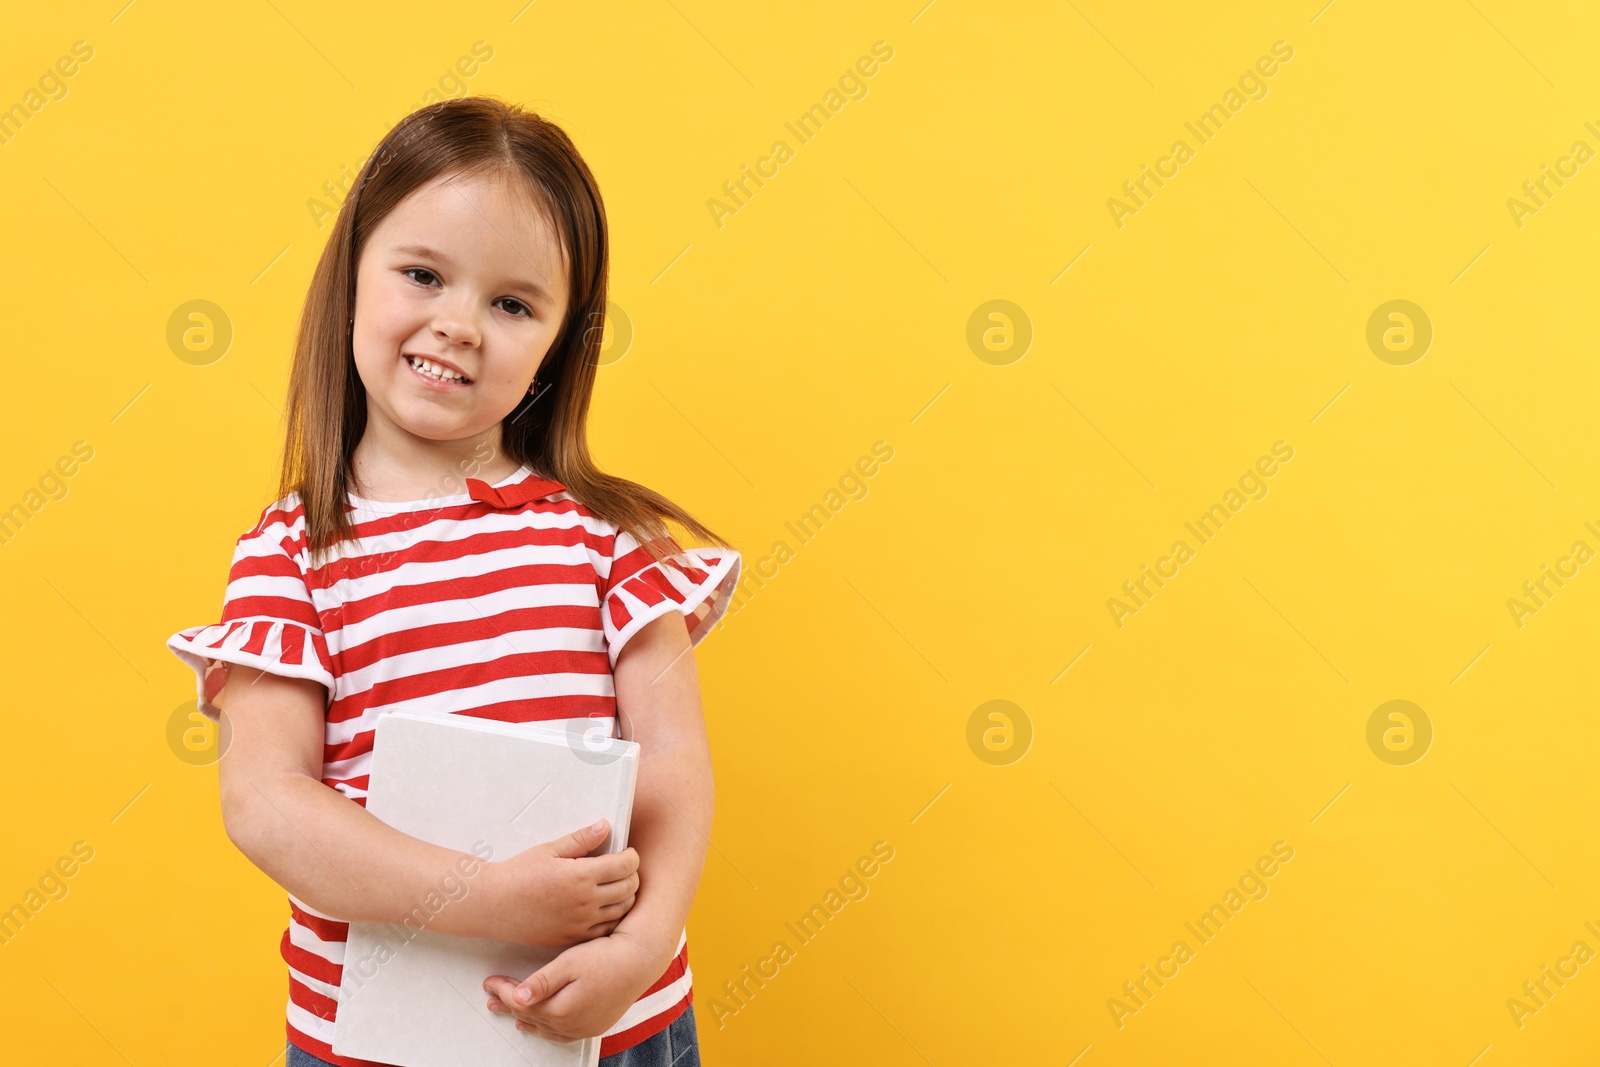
<point>697,583</point>
<point>269,621</point>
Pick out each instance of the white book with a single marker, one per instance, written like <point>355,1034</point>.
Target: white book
<point>413,996</point>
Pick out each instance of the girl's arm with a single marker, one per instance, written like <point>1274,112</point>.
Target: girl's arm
<point>333,855</point>
<point>658,704</point>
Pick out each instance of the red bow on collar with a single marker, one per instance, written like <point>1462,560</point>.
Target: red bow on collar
<point>514,495</point>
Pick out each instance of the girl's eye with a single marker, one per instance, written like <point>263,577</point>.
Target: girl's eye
<point>524,312</point>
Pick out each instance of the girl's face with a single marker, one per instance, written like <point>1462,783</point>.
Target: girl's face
<point>466,275</point>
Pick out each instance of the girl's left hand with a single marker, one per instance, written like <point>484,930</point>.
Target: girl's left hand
<point>580,993</point>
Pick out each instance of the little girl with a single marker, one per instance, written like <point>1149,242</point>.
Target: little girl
<point>444,541</point>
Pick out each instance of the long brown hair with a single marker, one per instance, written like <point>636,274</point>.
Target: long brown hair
<point>327,404</point>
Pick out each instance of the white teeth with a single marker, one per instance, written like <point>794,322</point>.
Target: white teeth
<point>435,370</point>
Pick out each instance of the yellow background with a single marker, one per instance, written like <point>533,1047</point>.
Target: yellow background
<point>769,355</point>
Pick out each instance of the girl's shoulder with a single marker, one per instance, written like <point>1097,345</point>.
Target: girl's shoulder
<point>281,524</point>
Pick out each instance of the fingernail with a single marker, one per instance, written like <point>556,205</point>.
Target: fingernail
<point>597,827</point>
<point>524,994</point>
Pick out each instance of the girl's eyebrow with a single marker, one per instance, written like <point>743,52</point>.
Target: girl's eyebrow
<point>533,289</point>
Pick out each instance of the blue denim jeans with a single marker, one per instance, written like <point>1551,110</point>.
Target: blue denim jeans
<point>676,1046</point>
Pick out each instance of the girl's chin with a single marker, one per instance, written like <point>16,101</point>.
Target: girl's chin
<point>428,421</point>
<point>439,421</point>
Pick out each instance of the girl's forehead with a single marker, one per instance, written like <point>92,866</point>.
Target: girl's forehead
<point>477,203</point>
<point>493,218</point>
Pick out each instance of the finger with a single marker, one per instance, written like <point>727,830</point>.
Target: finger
<point>501,988</point>
<point>541,984</point>
<point>499,1007</point>
<point>617,910</point>
<point>621,889</point>
<point>548,1035</point>
<point>580,842</point>
<point>623,863</point>
<point>614,866</point>
<point>528,1027</point>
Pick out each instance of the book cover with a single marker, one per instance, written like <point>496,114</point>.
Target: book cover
<point>412,996</point>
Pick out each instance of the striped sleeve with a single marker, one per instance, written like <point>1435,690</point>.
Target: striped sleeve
<point>697,583</point>
<point>269,621</point>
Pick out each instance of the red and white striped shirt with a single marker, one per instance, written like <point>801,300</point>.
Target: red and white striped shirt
<point>508,602</point>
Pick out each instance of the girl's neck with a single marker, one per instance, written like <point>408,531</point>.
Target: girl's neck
<point>407,474</point>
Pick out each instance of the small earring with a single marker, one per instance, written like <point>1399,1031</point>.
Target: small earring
<point>534,385</point>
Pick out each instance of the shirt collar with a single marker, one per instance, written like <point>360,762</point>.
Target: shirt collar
<point>515,494</point>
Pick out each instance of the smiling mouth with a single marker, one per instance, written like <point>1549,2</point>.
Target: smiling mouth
<point>432,372</point>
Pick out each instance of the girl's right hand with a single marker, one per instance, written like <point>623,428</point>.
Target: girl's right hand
<point>556,894</point>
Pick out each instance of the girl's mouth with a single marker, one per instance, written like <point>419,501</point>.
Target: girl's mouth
<point>437,378</point>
